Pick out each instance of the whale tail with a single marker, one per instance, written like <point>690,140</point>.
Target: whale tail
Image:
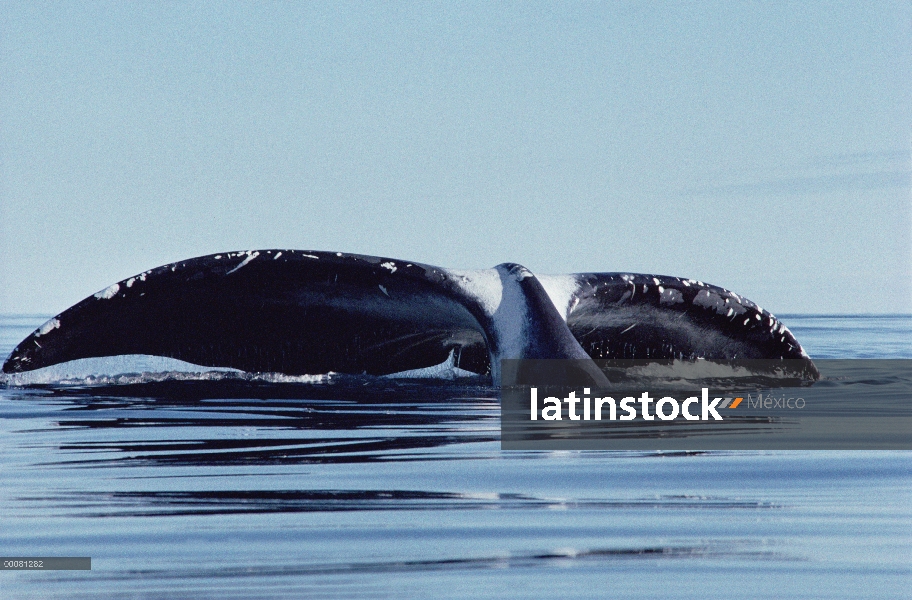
<point>302,312</point>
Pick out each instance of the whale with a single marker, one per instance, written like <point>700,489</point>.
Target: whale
<point>306,312</point>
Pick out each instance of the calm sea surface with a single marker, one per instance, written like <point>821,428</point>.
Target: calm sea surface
<point>375,488</point>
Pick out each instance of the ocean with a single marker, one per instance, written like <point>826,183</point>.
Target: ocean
<point>375,488</point>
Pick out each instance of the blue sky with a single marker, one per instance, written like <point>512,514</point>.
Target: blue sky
<point>764,147</point>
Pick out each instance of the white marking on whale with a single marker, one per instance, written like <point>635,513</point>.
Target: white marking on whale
<point>562,290</point>
<point>249,258</point>
<point>49,326</point>
<point>109,292</point>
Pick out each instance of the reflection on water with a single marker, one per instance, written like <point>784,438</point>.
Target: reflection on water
<point>364,488</point>
<point>261,501</point>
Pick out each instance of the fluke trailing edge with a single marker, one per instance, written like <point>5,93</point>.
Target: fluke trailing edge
<point>304,312</point>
